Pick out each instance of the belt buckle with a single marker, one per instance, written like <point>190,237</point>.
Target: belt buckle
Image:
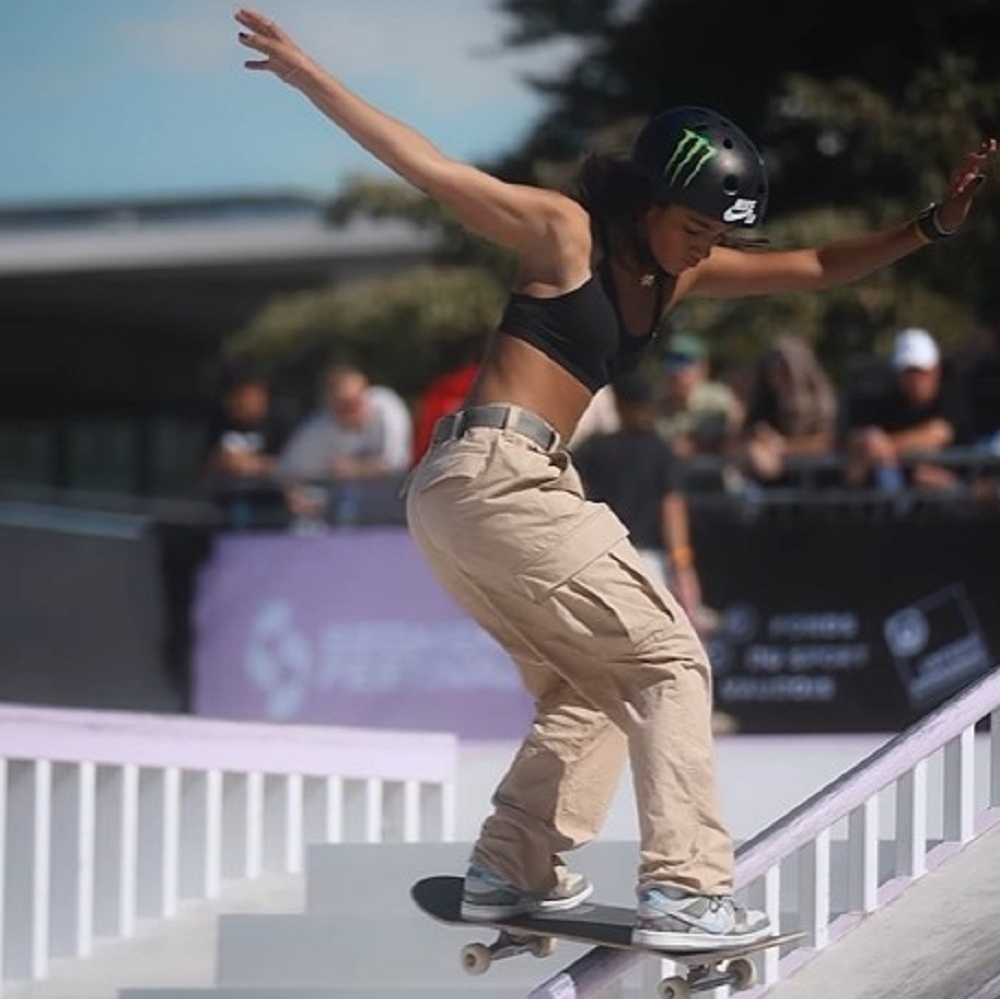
<point>458,426</point>
<point>539,432</point>
<point>446,429</point>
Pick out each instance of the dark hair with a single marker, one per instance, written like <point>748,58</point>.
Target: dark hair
<point>237,372</point>
<point>633,388</point>
<point>616,199</point>
<point>635,402</point>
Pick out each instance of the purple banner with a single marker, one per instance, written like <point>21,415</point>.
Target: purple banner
<point>346,628</point>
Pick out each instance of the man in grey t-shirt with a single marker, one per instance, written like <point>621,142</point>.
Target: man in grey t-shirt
<point>362,431</point>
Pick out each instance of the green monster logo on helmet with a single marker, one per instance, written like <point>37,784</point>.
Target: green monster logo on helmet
<point>690,154</point>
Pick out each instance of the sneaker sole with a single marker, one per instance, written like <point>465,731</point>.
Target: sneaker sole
<point>695,940</point>
<point>496,913</point>
<point>563,904</point>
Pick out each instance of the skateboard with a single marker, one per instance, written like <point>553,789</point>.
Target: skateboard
<point>591,923</point>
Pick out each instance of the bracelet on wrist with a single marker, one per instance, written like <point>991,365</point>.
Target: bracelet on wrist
<point>920,234</point>
<point>683,557</point>
<point>929,227</point>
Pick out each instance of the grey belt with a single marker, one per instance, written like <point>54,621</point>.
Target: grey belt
<point>498,417</point>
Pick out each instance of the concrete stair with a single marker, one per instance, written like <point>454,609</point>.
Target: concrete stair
<point>348,992</point>
<point>352,887</point>
<point>377,877</point>
<point>360,934</point>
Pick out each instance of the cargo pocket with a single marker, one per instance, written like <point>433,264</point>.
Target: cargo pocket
<point>442,496</point>
<point>597,603</point>
<point>569,555</point>
<point>462,459</point>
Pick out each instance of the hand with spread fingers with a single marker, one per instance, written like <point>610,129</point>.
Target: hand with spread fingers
<point>954,207</point>
<point>281,55</point>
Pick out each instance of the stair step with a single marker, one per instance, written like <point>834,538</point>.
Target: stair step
<point>320,949</point>
<point>376,878</point>
<point>483,989</point>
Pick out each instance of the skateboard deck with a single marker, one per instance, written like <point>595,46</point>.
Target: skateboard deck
<point>592,923</point>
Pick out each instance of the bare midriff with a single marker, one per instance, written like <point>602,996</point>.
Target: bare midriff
<point>514,372</point>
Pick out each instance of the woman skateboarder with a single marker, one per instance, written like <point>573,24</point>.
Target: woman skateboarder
<point>496,506</point>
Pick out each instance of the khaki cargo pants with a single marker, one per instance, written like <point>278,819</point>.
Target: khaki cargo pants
<point>607,653</point>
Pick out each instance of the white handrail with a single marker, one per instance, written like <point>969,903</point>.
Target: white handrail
<point>113,817</point>
<point>853,797</point>
<point>852,789</point>
<point>152,740</point>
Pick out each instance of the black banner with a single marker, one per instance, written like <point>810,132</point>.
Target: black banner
<point>838,624</point>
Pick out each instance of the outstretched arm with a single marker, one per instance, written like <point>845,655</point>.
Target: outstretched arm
<point>729,273</point>
<point>528,220</point>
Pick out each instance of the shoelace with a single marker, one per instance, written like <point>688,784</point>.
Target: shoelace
<point>716,903</point>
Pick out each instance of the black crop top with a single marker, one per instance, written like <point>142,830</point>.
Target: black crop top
<point>580,330</point>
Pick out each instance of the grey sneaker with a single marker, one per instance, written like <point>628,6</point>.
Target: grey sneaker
<point>486,896</point>
<point>672,919</point>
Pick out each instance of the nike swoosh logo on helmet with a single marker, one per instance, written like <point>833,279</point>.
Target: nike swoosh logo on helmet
<point>741,210</point>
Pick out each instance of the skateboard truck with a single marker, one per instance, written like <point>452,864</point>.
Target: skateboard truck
<point>736,972</point>
<point>477,957</point>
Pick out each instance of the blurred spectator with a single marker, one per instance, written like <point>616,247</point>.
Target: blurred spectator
<point>360,431</point>
<point>696,415</point>
<point>920,413</point>
<point>600,417</point>
<point>635,472</point>
<point>446,393</point>
<point>244,438</point>
<point>792,409</point>
<point>982,384</point>
<point>244,435</point>
<point>360,434</point>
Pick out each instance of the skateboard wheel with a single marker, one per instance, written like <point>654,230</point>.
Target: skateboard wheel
<point>742,972</point>
<point>674,988</point>
<point>544,947</point>
<point>476,958</point>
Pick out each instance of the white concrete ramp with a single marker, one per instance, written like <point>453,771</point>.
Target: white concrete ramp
<point>940,939</point>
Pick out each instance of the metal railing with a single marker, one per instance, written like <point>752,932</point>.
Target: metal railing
<point>899,813</point>
<point>112,818</point>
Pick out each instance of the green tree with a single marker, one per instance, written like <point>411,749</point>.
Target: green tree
<point>858,130</point>
<point>398,329</point>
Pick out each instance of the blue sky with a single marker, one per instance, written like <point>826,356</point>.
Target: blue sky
<point>134,98</point>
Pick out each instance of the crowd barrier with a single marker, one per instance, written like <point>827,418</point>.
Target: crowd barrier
<point>825,626</point>
<point>839,611</point>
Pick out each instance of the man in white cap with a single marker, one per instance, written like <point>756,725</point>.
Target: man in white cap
<point>918,415</point>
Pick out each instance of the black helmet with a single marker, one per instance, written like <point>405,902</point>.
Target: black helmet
<point>695,157</point>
